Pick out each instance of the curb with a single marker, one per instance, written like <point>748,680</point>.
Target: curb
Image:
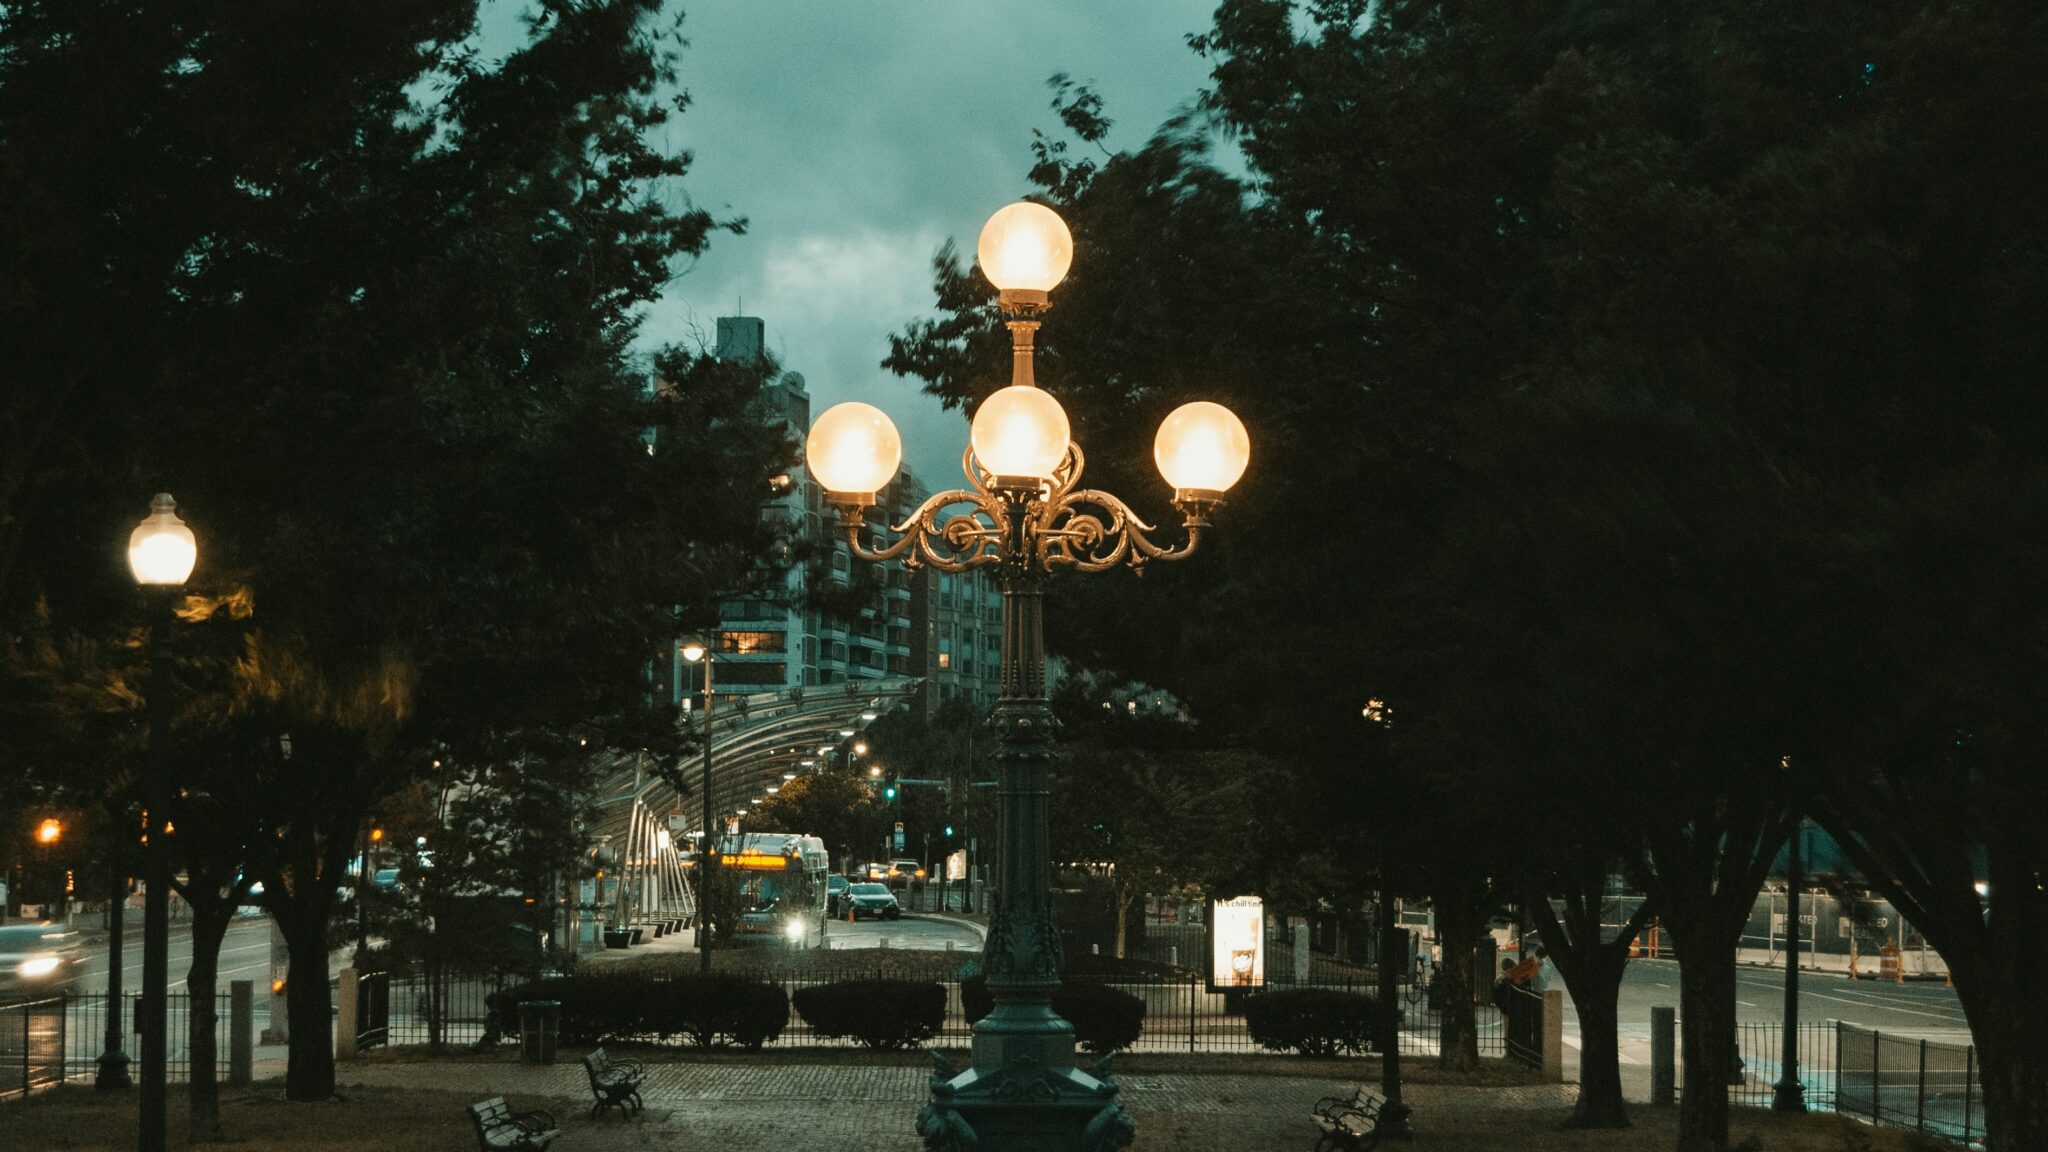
<point>980,930</point>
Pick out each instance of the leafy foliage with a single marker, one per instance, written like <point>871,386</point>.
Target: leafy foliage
<point>1105,1019</point>
<point>708,1010</point>
<point>1311,1021</point>
<point>879,1013</point>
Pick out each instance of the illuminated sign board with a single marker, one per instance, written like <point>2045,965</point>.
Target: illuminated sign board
<point>1237,943</point>
<point>764,860</point>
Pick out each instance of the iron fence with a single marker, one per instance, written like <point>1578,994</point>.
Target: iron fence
<point>32,1042</point>
<point>86,1014</point>
<point>1522,1015</point>
<point>373,1010</point>
<point>1180,1015</point>
<point>1908,1082</point>
<point>1760,1053</point>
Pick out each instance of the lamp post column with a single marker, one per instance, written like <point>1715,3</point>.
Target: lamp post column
<point>113,1062</point>
<point>156,909</point>
<point>1023,949</point>
<point>707,854</point>
<point>1789,1095</point>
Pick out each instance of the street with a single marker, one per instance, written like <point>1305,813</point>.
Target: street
<point>244,955</point>
<point>1921,1010</point>
<point>912,931</point>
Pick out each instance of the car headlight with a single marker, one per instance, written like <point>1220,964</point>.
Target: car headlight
<point>39,966</point>
<point>794,929</point>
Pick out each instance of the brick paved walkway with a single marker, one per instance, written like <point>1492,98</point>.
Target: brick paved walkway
<point>785,1106</point>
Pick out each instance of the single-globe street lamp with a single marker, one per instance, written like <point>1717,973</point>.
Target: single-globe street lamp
<point>1789,1093</point>
<point>161,552</point>
<point>707,849</point>
<point>1025,514</point>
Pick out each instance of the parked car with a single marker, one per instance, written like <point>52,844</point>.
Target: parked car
<point>835,896</point>
<point>906,874</point>
<point>871,900</point>
<point>39,959</point>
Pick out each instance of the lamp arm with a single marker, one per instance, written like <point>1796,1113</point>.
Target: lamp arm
<point>952,543</point>
<point>1076,535</point>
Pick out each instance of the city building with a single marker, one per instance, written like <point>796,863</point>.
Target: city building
<point>833,620</point>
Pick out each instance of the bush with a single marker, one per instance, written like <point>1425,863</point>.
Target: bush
<point>1311,1021</point>
<point>708,1010</point>
<point>879,1013</point>
<point>1105,1019</point>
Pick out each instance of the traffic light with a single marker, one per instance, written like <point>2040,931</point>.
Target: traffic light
<point>949,831</point>
<point>889,792</point>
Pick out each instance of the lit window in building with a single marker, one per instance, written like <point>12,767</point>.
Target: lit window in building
<point>745,642</point>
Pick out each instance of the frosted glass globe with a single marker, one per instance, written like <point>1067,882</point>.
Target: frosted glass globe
<point>1027,246</point>
<point>162,549</point>
<point>1202,447</point>
<point>1020,432</point>
<point>853,449</point>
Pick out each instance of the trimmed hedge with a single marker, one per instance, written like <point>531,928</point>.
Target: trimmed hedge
<point>886,1014</point>
<point>1105,1019</point>
<point>1311,1021</point>
<point>709,1011</point>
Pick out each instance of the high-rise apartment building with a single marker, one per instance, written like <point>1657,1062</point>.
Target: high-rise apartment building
<point>836,618</point>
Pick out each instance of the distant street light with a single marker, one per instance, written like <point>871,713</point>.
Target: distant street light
<point>161,554</point>
<point>1025,514</point>
<point>49,832</point>
<point>707,849</point>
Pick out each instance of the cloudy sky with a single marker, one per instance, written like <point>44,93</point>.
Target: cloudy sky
<point>856,136</point>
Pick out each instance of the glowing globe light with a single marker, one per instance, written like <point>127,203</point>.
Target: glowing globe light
<point>1020,433</point>
<point>1202,447</point>
<point>853,450</point>
<point>162,550</point>
<point>1025,247</point>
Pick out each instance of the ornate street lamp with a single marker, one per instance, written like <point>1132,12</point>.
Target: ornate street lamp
<point>1025,514</point>
<point>161,553</point>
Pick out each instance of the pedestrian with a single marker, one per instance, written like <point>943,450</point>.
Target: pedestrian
<point>1506,981</point>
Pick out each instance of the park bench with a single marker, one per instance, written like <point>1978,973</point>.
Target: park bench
<point>499,1127</point>
<point>1349,1123</point>
<point>613,1083</point>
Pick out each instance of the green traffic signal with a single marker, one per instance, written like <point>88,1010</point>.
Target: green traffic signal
<point>949,831</point>
<point>889,793</point>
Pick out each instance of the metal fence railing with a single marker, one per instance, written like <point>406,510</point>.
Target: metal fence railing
<point>1180,1015</point>
<point>1522,1018</point>
<point>32,1040</point>
<point>1760,1049</point>
<point>1907,1082</point>
<point>86,1031</point>
<point>373,1010</point>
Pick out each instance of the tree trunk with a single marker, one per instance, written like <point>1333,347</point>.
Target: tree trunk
<point>1706,999</point>
<point>1459,922</point>
<point>209,925</point>
<point>2006,1023</point>
<point>1596,996</point>
<point>310,1073</point>
<point>1123,897</point>
<point>1592,967</point>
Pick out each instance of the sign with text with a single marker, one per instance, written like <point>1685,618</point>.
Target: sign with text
<point>899,837</point>
<point>1237,943</point>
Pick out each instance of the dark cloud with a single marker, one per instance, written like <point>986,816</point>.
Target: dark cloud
<point>858,135</point>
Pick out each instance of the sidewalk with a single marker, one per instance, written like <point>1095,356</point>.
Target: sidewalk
<point>773,1106</point>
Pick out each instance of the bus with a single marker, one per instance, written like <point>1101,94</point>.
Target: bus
<point>782,885</point>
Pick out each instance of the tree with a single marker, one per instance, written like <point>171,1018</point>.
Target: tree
<point>482,542</point>
<point>834,806</point>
